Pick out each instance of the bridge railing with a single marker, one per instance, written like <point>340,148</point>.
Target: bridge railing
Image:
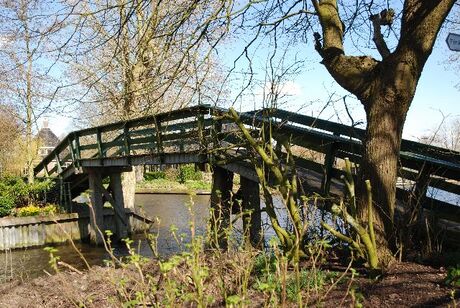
<point>423,168</point>
<point>175,131</point>
<point>427,174</point>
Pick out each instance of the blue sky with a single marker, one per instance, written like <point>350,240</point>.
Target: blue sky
<point>437,95</point>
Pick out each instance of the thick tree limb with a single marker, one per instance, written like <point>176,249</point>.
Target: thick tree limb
<point>421,22</point>
<point>384,18</point>
<point>355,74</point>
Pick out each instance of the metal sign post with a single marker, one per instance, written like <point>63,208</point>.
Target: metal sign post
<point>453,41</point>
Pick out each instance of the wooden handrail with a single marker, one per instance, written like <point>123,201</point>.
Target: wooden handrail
<point>335,140</point>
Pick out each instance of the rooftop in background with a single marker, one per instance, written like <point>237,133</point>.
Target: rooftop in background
<point>48,140</point>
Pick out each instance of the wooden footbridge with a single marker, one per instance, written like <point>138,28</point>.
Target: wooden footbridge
<point>200,135</point>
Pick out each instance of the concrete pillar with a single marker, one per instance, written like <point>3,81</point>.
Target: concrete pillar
<point>96,215</point>
<point>121,220</point>
<point>129,188</point>
<point>252,223</point>
<point>222,183</point>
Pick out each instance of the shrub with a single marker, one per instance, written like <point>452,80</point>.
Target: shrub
<point>154,175</point>
<point>34,210</point>
<point>171,174</point>
<point>6,204</point>
<point>49,209</point>
<point>453,276</point>
<point>30,210</point>
<point>15,192</point>
<point>188,173</point>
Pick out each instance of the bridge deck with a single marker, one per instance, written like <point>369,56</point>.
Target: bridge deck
<point>200,135</point>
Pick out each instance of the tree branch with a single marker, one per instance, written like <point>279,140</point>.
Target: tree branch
<point>355,74</point>
<point>384,18</point>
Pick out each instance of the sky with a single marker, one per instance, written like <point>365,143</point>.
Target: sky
<point>306,91</point>
<point>437,96</point>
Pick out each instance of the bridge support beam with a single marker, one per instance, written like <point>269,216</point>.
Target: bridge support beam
<point>252,222</point>
<point>222,183</point>
<point>96,217</point>
<point>121,220</point>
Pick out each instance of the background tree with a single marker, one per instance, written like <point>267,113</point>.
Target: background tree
<point>134,58</point>
<point>12,158</point>
<point>24,67</point>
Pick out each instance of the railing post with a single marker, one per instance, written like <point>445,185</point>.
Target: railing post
<point>58,163</point>
<point>72,151</point>
<point>328,167</point>
<point>126,141</point>
<point>76,137</point>
<point>45,168</point>
<point>159,141</point>
<point>421,186</point>
<point>99,145</point>
<point>181,144</point>
<point>200,130</point>
<point>215,131</point>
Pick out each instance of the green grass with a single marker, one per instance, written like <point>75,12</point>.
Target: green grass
<point>165,184</point>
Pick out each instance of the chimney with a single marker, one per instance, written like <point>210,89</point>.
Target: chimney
<point>45,123</point>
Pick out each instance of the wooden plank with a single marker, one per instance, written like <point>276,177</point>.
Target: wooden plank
<point>115,143</point>
<point>328,166</point>
<point>58,163</point>
<point>86,147</point>
<point>99,143</point>
<point>76,137</point>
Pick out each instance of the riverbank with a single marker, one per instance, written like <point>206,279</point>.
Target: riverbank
<point>167,186</point>
<point>233,279</point>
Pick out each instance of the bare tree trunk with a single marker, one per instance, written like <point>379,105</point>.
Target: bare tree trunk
<point>380,165</point>
<point>30,149</point>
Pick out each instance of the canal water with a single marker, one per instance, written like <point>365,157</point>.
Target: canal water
<point>171,210</point>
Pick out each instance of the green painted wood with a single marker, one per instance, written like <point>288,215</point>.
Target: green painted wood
<point>126,140</point>
<point>87,147</point>
<point>58,163</point>
<point>194,126</point>
<point>112,144</point>
<point>99,143</point>
<point>159,142</point>
<point>328,166</point>
<point>77,149</point>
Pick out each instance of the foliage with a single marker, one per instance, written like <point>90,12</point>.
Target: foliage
<point>453,276</point>
<point>35,210</point>
<point>30,210</point>
<point>183,178</point>
<point>6,204</point>
<point>272,164</point>
<point>362,237</point>
<point>172,185</point>
<point>12,158</point>
<point>188,173</point>
<point>154,175</point>
<point>15,192</point>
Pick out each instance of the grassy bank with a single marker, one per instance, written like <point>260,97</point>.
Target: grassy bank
<point>184,178</point>
<point>171,185</point>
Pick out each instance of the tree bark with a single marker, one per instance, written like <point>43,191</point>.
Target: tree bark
<point>386,89</point>
<point>379,164</point>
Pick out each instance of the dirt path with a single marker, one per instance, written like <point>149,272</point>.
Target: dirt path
<point>405,285</point>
